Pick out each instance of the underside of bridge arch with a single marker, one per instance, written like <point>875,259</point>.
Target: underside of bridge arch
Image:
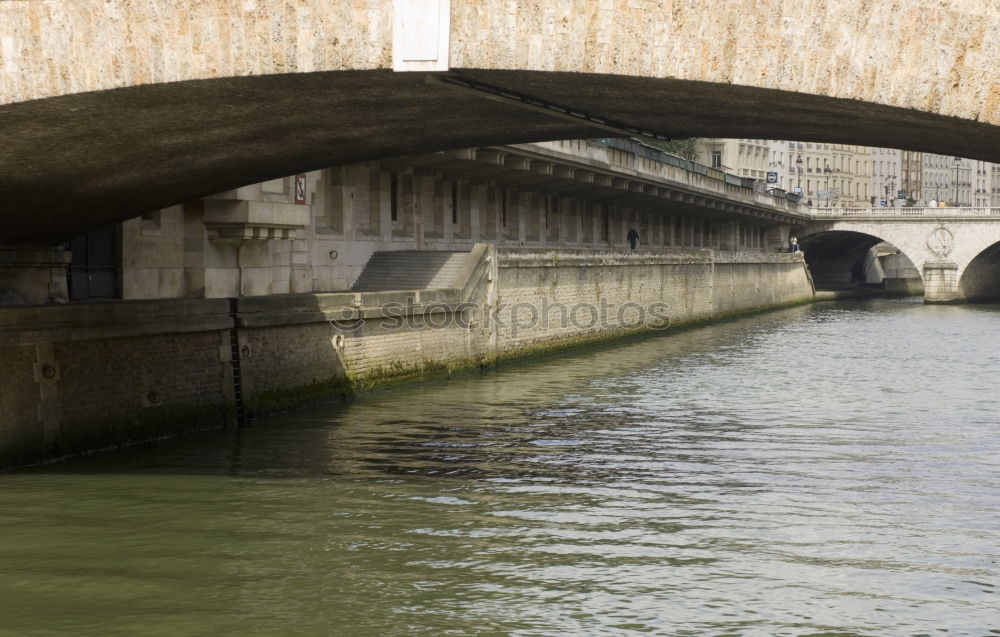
<point>840,259</point>
<point>981,279</point>
<point>76,162</point>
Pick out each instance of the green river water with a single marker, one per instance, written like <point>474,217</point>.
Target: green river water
<point>831,469</point>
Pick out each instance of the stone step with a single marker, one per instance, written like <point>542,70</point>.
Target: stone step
<point>411,270</point>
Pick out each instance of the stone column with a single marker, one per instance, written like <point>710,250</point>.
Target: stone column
<point>730,236</point>
<point>941,282</point>
<point>33,275</point>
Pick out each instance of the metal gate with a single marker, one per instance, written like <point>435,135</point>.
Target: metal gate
<point>93,270</point>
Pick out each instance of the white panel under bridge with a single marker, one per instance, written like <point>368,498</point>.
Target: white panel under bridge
<point>955,250</point>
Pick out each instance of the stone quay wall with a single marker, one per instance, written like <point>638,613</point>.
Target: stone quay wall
<point>75,378</point>
<point>548,299</point>
<point>88,376</point>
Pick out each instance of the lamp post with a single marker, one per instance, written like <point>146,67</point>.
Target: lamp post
<point>958,162</point>
<point>826,181</point>
<point>798,166</point>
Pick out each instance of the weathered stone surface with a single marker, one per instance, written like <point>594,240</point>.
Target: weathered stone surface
<point>97,375</point>
<point>117,109</point>
<point>31,275</point>
<point>929,55</point>
<point>937,56</point>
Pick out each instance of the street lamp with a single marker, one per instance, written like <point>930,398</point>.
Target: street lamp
<point>798,166</point>
<point>889,189</point>
<point>826,181</point>
<point>958,162</point>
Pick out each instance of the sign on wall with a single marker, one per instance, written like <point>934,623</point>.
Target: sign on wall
<point>300,189</point>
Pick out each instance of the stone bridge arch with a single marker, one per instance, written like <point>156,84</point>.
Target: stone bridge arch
<point>114,109</point>
<point>839,256</point>
<point>941,249</point>
<point>980,279</point>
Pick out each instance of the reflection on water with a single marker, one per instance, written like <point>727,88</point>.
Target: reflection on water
<point>824,470</point>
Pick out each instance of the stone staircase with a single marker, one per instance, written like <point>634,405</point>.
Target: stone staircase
<point>411,270</point>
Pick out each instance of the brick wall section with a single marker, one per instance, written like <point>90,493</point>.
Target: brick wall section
<point>429,342</point>
<point>289,356</point>
<point>79,377</point>
<point>109,387</point>
<point>301,352</point>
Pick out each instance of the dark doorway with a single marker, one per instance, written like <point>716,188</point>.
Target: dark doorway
<point>93,270</point>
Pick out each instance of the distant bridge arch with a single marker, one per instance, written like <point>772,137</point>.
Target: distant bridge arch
<point>980,280</point>
<point>838,257</point>
<point>942,243</point>
<point>112,109</point>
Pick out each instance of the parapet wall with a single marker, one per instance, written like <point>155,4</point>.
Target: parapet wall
<point>86,376</point>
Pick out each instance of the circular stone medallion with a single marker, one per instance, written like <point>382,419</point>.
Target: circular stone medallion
<point>941,241</point>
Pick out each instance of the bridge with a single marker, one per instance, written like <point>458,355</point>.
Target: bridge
<point>111,110</point>
<point>955,250</point>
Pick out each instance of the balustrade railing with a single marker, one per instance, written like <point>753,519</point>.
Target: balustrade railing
<point>905,212</point>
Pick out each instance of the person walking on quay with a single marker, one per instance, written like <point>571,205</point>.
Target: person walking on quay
<point>633,238</point>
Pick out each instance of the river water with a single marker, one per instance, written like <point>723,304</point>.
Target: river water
<point>824,470</point>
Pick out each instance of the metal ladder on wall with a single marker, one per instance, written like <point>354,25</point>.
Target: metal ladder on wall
<point>234,347</point>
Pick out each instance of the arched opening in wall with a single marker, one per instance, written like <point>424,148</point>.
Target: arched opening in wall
<point>842,260</point>
<point>981,279</point>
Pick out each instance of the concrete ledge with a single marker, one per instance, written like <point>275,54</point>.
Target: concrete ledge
<point>33,256</point>
<point>851,293</point>
<point>299,309</point>
<point>540,258</point>
<point>114,319</point>
<point>755,256</point>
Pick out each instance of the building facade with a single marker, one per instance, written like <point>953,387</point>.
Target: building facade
<point>948,179</point>
<point>886,176</point>
<point>840,175</point>
<point>837,175</point>
<point>982,184</point>
<point>743,157</point>
<point>911,178</point>
<point>316,232</point>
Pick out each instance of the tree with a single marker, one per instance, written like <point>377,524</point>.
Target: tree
<point>681,147</point>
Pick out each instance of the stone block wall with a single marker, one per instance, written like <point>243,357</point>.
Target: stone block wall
<point>21,431</point>
<point>112,388</point>
<point>86,376</point>
<point>551,299</point>
<point>941,282</point>
<point>546,297</point>
<point>747,281</point>
<point>308,348</point>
